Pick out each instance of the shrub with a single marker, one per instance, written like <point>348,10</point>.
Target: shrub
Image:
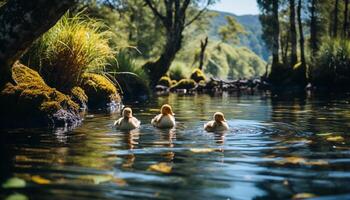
<point>332,64</point>
<point>73,46</point>
<point>185,84</point>
<point>197,75</point>
<point>178,71</point>
<point>124,63</point>
<point>165,81</point>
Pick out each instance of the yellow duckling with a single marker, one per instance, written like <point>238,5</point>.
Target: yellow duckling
<point>218,124</point>
<point>127,122</point>
<point>165,119</point>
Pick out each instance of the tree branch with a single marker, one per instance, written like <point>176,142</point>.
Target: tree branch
<point>198,14</point>
<point>155,11</point>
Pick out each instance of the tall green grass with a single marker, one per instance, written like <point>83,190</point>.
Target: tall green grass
<point>123,62</point>
<point>332,64</point>
<point>73,46</point>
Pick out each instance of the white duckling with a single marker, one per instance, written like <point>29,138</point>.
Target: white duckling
<point>218,124</point>
<point>127,122</point>
<point>165,119</point>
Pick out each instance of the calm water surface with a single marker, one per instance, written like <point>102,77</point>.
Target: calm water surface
<point>276,149</point>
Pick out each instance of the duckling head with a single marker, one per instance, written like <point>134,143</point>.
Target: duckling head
<point>166,110</point>
<point>219,117</point>
<point>127,112</point>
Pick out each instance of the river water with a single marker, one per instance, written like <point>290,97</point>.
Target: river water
<point>277,148</point>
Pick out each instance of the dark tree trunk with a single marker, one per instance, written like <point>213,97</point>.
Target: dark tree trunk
<point>301,71</point>
<point>346,19</point>
<point>301,34</point>
<point>157,69</point>
<point>293,34</point>
<point>335,19</point>
<point>204,44</point>
<point>276,34</point>
<point>21,22</point>
<point>313,29</point>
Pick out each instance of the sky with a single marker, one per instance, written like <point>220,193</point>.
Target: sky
<point>238,7</point>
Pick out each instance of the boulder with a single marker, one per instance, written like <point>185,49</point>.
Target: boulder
<point>100,91</point>
<point>29,101</point>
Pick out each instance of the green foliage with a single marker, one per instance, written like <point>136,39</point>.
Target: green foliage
<point>179,70</point>
<point>165,81</point>
<point>332,64</point>
<point>125,63</point>
<point>231,31</point>
<point>198,75</point>
<point>73,46</point>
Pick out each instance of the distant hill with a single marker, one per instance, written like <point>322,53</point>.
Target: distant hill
<point>251,24</point>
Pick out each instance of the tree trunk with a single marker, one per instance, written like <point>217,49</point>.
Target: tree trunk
<point>301,34</point>
<point>313,29</point>
<point>346,19</point>
<point>301,71</point>
<point>335,20</point>
<point>21,22</point>
<point>293,34</point>
<point>204,44</point>
<point>276,33</point>
<point>157,69</point>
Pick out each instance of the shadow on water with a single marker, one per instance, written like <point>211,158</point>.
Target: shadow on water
<point>277,147</point>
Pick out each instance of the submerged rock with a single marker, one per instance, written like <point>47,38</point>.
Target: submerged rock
<point>99,90</point>
<point>31,102</point>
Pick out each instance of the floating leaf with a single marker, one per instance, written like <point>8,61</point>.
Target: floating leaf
<point>202,150</point>
<point>17,197</point>
<point>301,161</point>
<point>97,179</point>
<point>40,180</point>
<point>303,196</point>
<point>14,183</point>
<point>161,167</point>
<point>335,139</point>
<point>119,181</point>
<point>325,134</point>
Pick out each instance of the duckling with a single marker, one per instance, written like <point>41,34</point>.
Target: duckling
<point>127,122</point>
<point>165,119</point>
<point>218,124</point>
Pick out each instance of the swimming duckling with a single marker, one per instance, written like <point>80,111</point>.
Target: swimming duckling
<point>127,122</point>
<point>218,124</point>
<point>165,119</point>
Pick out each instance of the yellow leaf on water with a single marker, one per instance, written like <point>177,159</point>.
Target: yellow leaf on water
<point>325,134</point>
<point>161,167</point>
<point>335,139</point>
<point>202,150</point>
<point>97,179</point>
<point>40,180</point>
<point>301,161</point>
<point>292,160</point>
<point>17,197</point>
<point>303,196</point>
<point>119,181</point>
<point>14,183</point>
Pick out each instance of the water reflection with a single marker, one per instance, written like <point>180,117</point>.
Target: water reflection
<point>277,148</point>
